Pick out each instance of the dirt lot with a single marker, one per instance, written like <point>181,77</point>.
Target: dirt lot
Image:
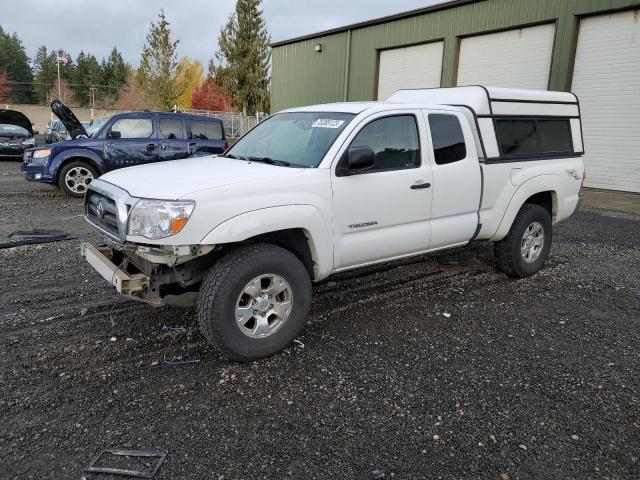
<point>535,378</point>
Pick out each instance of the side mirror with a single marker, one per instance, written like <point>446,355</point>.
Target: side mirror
<point>361,158</point>
<point>114,134</point>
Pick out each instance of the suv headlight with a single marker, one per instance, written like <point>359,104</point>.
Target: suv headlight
<point>155,219</point>
<point>44,152</point>
<point>31,142</point>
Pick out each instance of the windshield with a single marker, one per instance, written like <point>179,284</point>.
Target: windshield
<point>10,129</point>
<point>95,126</point>
<point>297,138</point>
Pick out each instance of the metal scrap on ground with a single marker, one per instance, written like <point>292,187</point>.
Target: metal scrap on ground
<point>32,237</point>
<point>122,452</point>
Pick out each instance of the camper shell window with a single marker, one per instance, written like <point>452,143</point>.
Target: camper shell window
<point>537,137</point>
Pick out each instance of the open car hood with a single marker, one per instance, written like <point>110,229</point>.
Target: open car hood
<point>13,117</point>
<point>67,117</point>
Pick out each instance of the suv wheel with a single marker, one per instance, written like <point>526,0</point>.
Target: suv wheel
<point>526,247</point>
<point>254,301</point>
<point>75,177</point>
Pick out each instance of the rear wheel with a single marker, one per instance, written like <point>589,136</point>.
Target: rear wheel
<point>254,301</point>
<point>526,247</point>
<point>75,177</point>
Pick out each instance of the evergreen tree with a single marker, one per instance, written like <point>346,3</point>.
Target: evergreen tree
<point>114,73</point>
<point>158,65</point>
<point>45,73</point>
<point>244,57</point>
<point>15,63</point>
<point>87,75</point>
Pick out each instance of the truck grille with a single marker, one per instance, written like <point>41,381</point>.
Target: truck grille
<point>102,212</point>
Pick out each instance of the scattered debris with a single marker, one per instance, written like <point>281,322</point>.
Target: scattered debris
<point>446,315</point>
<point>31,237</point>
<point>177,361</point>
<point>575,437</point>
<point>522,446</point>
<point>113,339</point>
<point>377,473</point>
<point>123,452</point>
<point>298,342</point>
<point>504,476</point>
<point>83,311</point>
<point>436,437</point>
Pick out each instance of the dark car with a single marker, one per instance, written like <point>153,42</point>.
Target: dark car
<point>57,133</point>
<point>16,134</point>
<point>124,140</point>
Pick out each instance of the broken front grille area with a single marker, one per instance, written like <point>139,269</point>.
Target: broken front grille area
<point>102,212</point>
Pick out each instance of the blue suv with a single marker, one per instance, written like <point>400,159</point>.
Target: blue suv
<point>124,140</point>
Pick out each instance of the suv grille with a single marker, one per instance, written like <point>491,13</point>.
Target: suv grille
<point>102,212</point>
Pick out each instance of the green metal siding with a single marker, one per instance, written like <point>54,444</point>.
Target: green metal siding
<point>302,76</point>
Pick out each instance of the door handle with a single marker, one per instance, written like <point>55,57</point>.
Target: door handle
<point>418,186</point>
<point>151,147</point>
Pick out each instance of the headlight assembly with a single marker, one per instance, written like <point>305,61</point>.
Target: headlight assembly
<point>29,142</point>
<point>155,219</point>
<point>45,152</point>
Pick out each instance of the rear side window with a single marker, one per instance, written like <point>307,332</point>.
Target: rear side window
<point>214,130</point>
<point>133,127</point>
<point>533,136</point>
<point>394,141</point>
<point>171,128</point>
<point>447,138</point>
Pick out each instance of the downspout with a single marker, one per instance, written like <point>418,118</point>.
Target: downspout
<point>347,67</point>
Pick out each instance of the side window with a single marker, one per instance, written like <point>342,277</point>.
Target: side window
<point>214,130</point>
<point>533,136</point>
<point>171,129</point>
<point>197,130</point>
<point>133,127</point>
<point>394,141</point>
<point>447,138</point>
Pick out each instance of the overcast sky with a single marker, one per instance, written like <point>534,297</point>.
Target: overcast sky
<point>96,26</point>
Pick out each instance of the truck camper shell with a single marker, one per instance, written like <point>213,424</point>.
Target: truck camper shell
<point>488,108</point>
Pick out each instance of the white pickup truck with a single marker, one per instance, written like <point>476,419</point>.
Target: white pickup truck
<point>326,188</point>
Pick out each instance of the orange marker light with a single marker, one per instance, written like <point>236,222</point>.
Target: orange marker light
<point>177,224</point>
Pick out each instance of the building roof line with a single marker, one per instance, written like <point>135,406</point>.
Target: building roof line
<point>377,21</point>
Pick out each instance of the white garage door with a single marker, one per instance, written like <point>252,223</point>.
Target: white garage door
<point>606,79</point>
<point>419,66</point>
<point>518,58</point>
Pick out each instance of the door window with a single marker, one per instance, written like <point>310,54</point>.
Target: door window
<point>133,127</point>
<point>447,138</point>
<point>214,130</point>
<point>205,130</point>
<point>394,141</point>
<point>171,129</point>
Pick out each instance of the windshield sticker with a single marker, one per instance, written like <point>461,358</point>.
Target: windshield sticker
<point>327,123</point>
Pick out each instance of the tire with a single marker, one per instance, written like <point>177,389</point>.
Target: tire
<point>83,171</point>
<point>522,257</point>
<point>223,295</point>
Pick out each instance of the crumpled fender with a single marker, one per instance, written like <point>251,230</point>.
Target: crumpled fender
<point>63,156</point>
<point>271,219</point>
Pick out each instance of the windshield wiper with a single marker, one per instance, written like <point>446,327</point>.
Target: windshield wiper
<point>280,163</point>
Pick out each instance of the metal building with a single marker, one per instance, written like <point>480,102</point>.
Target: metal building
<point>591,47</point>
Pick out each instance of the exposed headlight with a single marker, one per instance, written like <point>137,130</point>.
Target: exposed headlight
<point>155,219</point>
<point>31,142</point>
<point>45,152</point>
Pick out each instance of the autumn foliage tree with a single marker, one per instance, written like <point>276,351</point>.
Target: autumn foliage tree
<point>209,96</point>
<point>188,77</point>
<point>5,89</point>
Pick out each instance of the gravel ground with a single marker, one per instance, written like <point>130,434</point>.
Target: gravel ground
<point>434,367</point>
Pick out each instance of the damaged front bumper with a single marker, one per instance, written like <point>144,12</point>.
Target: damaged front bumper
<point>150,275</point>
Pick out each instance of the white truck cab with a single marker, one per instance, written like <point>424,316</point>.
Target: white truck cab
<point>321,189</point>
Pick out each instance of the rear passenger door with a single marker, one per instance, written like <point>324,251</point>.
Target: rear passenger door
<point>457,180</point>
<point>172,138</point>
<point>130,141</point>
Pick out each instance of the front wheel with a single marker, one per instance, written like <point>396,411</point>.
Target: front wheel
<point>525,249</point>
<point>254,301</point>
<point>75,177</point>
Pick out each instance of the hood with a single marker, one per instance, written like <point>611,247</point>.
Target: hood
<point>13,117</point>
<point>69,120</point>
<point>177,179</point>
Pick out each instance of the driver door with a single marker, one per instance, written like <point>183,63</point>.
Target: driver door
<point>131,141</point>
<point>383,212</point>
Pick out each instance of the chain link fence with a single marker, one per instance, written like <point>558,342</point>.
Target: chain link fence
<point>235,123</point>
